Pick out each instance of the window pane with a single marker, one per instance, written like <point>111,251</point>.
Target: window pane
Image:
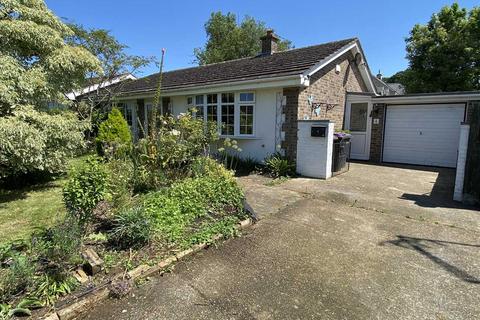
<point>212,113</point>
<point>199,113</point>
<point>211,98</point>
<point>358,117</point>
<point>126,112</point>
<point>228,118</point>
<point>199,99</point>
<point>247,97</point>
<point>246,119</point>
<point>189,101</point>
<point>167,106</point>
<point>228,98</point>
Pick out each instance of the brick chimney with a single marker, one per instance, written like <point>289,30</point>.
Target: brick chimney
<point>269,43</point>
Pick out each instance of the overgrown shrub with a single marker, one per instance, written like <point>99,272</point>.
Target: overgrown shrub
<point>17,277</point>
<point>174,209</point>
<point>148,173</point>
<point>278,166</point>
<point>49,289</point>
<point>131,228</point>
<point>121,180</point>
<point>114,136</point>
<point>86,186</point>
<point>205,166</point>
<point>58,248</point>
<point>208,229</point>
<point>241,165</point>
<point>35,142</point>
<point>163,155</point>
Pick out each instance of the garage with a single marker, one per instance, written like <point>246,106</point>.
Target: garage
<point>423,134</point>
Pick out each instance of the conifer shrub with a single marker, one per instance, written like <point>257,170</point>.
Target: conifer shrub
<point>114,136</point>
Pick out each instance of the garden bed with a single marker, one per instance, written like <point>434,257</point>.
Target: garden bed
<point>131,208</point>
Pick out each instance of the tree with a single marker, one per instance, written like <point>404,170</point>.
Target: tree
<point>35,143</point>
<point>115,62</point>
<point>227,40</point>
<point>444,54</point>
<point>36,64</point>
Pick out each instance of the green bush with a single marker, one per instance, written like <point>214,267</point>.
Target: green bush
<point>163,155</point>
<point>175,209</point>
<point>207,230</point>
<point>205,166</point>
<point>114,136</point>
<point>278,166</point>
<point>120,181</point>
<point>131,228</point>
<point>49,289</point>
<point>16,278</point>
<point>87,185</point>
<point>58,248</point>
<point>33,142</point>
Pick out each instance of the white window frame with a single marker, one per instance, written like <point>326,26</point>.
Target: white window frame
<point>198,106</point>
<point>237,104</point>
<point>124,107</point>
<point>237,114</point>
<point>234,104</point>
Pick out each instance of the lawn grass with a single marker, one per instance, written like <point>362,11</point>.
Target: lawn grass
<point>32,208</point>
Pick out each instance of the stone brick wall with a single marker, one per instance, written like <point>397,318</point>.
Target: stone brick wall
<point>329,86</point>
<point>376,142</point>
<point>326,86</point>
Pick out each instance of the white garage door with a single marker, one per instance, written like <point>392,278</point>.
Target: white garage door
<point>423,134</point>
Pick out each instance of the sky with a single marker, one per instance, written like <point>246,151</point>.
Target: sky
<point>147,26</point>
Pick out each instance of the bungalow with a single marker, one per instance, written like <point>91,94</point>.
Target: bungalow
<point>269,103</point>
<point>259,100</point>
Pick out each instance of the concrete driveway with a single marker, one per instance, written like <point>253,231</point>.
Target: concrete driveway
<point>375,243</point>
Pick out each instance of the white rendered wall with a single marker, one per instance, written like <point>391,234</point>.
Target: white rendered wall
<point>314,154</point>
<point>462,158</point>
<point>262,143</point>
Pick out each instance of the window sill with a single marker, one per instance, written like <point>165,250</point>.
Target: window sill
<point>241,137</point>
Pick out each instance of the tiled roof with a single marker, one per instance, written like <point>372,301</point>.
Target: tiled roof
<point>279,64</point>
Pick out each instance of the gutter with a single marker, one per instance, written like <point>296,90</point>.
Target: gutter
<point>447,97</point>
<point>297,80</point>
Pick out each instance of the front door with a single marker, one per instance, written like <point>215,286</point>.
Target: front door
<point>357,120</point>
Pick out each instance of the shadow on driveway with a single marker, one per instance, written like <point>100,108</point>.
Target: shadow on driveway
<point>441,194</point>
<point>422,245</point>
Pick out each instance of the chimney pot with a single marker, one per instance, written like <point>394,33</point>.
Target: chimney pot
<point>269,43</point>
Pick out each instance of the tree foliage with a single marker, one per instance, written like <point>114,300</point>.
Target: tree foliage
<point>114,60</point>
<point>36,64</point>
<point>33,141</point>
<point>227,40</point>
<point>444,54</point>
